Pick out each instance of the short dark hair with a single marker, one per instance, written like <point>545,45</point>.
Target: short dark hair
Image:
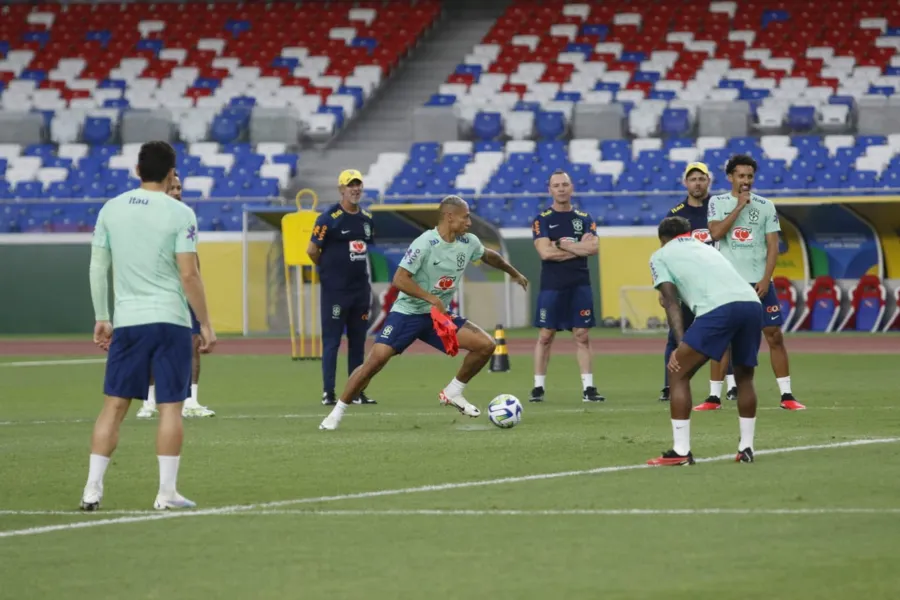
<point>739,160</point>
<point>155,160</point>
<point>672,227</point>
<point>556,172</point>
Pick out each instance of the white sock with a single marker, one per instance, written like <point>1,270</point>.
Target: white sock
<point>681,434</point>
<point>338,411</point>
<point>151,397</point>
<point>784,384</point>
<point>539,380</point>
<point>731,382</point>
<point>748,429</point>
<point>587,380</point>
<point>455,388</point>
<point>168,474</point>
<point>192,399</point>
<point>97,469</point>
<point>715,388</point>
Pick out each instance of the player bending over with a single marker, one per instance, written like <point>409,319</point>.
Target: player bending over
<point>747,227</point>
<point>694,208</point>
<point>727,312</point>
<point>150,241</point>
<point>427,277</point>
<point>564,238</point>
<point>192,407</point>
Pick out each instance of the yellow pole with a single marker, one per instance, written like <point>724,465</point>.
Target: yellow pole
<point>290,308</point>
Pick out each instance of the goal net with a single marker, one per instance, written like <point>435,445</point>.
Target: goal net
<point>640,312</point>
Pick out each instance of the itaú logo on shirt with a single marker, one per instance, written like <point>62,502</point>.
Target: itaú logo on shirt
<point>741,234</point>
<point>358,250</point>
<point>445,283</point>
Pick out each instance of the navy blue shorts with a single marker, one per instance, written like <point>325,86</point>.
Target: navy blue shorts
<point>195,324</point>
<point>163,349</point>
<point>400,331</point>
<point>566,309</point>
<point>345,309</point>
<point>772,308</point>
<point>736,324</point>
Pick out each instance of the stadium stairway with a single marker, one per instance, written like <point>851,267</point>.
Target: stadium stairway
<point>386,124</point>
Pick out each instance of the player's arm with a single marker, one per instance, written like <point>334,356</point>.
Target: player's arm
<point>544,246</point>
<point>773,227</point>
<point>587,246</point>
<point>496,260</point>
<point>669,300</point>
<point>101,261</point>
<point>188,269</point>
<point>719,225</point>
<point>412,262</point>
<point>317,240</point>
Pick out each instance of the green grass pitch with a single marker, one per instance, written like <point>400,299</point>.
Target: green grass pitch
<point>299,517</point>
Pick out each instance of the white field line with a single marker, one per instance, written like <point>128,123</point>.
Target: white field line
<point>439,413</point>
<point>241,508</point>
<point>612,512</point>
<point>53,363</point>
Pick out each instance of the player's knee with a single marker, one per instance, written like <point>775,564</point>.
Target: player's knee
<point>581,336</point>
<point>546,336</point>
<point>486,345</point>
<point>774,337</point>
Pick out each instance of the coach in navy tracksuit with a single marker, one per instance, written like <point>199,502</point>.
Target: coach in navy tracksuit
<point>339,246</point>
<point>693,208</point>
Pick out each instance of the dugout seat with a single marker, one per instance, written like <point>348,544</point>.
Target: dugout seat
<point>787,299</point>
<point>893,321</point>
<point>822,305</point>
<point>867,306</point>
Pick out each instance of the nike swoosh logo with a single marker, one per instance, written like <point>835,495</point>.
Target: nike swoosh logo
<point>345,231</point>
<point>552,226</point>
<point>436,263</point>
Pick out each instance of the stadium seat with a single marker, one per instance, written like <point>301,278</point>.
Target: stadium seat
<point>822,306</point>
<point>892,322</point>
<point>867,306</point>
<point>787,300</point>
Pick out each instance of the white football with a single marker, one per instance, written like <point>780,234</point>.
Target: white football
<point>505,411</point>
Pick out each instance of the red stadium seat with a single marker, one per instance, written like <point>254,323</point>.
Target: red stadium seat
<point>867,306</point>
<point>822,305</point>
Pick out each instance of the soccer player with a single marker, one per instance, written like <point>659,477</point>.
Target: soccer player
<point>727,312</point>
<point>339,246</point>
<point>746,226</point>
<point>427,277</point>
<point>191,408</point>
<point>564,237</point>
<point>150,241</point>
<point>694,208</point>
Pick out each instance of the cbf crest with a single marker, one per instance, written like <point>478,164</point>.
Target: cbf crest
<point>754,215</point>
<point>367,229</point>
<point>577,226</point>
<point>460,260</point>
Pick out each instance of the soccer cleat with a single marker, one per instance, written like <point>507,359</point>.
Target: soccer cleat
<point>147,411</point>
<point>664,395</point>
<point>711,403</point>
<point>461,404</point>
<point>363,399</point>
<point>732,393</point>
<point>192,412</point>
<point>788,403</point>
<point>745,456</point>
<point>590,395</point>
<point>329,399</point>
<point>537,394</point>
<point>329,423</point>
<point>670,458</point>
<point>90,499</point>
<point>174,502</point>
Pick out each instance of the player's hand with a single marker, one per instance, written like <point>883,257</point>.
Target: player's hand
<point>743,198</point>
<point>762,288</point>
<point>589,239</point>
<point>436,302</point>
<point>521,280</point>
<point>673,365</point>
<point>207,338</point>
<point>103,334</point>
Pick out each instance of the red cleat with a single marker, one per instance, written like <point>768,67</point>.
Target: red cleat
<point>670,458</point>
<point>788,403</point>
<point>711,403</point>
